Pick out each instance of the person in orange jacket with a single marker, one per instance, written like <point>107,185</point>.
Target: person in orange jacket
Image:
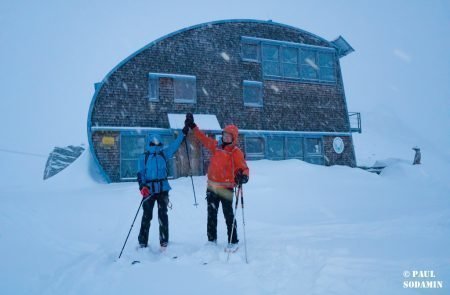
<point>227,169</point>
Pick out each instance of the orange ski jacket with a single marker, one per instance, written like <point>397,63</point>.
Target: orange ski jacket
<point>224,162</point>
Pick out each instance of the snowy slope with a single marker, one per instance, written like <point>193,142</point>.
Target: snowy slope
<point>310,230</point>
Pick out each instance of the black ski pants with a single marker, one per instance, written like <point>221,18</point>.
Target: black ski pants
<point>213,201</point>
<point>163,200</point>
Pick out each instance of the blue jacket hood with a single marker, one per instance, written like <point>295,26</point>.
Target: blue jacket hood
<point>155,138</point>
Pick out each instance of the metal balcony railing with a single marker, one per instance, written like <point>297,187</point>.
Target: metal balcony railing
<point>355,121</point>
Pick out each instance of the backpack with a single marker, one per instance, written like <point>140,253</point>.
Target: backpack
<point>160,153</point>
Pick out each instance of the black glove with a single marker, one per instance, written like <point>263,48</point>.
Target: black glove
<point>185,129</point>
<point>189,122</point>
<point>240,177</point>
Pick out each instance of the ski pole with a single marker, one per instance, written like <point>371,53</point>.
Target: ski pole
<point>190,172</point>
<point>243,225</point>
<point>234,218</point>
<point>142,201</point>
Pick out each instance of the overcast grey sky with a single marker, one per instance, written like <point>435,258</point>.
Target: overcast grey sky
<point>52,53</point>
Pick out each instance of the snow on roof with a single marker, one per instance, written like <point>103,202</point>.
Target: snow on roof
<point>205,122</point>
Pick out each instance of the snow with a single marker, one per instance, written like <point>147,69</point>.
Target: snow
<point>205,122</point>
<point>310,230</point>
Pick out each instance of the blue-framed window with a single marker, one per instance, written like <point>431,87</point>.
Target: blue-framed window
<point>153,88</point>
<point>185,89</point>
<point>271,60</point>
<point>131,148</point>
<point>275,147</point>
<point>250,51</point>
<point>253,93</point>
<point>309,68</point>
<point>289,62</point>
<point>326,66</point>
<point>314,150</point>
<point>294,148</point>
<point>254,147</point>
<point>279,147</point>
<point>295,61</point>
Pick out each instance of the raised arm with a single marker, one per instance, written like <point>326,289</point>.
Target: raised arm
<point>208,142</point>
<point>172,148</point>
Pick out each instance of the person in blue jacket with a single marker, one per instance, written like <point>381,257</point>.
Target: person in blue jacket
<point>153,185</point>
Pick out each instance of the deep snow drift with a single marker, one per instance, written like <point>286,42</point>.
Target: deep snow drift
<point>310,230</point>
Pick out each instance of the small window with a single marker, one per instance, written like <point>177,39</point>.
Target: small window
<point>254,147</point>
<point>185,89</point>
<point>294,147</point>
<point>153,88</point>
<point>250,51</point>
<point>275,148</point>
<point>253,93</point>
<point>271,62</point>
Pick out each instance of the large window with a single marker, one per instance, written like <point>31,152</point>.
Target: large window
<point>131,148</point>
<point>253,93</point>
<point>254,147</point>
<point>292,61</point>
<point>185,89</point>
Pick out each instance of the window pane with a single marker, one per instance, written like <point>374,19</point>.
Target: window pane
<point>290,70</point>
<point>132,147</point>
<point>326,60</point>
<point>271,68</point>
<point>185,89</point>
<point>290,55</point>
<point>275,147</point>
<point>253,93</point>
<point>294,147</point>
<point>327,74</point>
<point>254,145</point>
<point>250,51</point>
<point>153,88</point>
<point>308,72</point>
<point>313,146</point>
<point>270,53</point>
<point>308,57</point>
<point>128,168</point>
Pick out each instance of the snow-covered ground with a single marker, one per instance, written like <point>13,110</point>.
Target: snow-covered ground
<point>310,230</point>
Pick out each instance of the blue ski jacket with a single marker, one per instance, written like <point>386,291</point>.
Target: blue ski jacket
<point>152,165</point>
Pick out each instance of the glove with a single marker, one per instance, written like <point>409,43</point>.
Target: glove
<point>240,177</point>
<point>189,122</point>
<point>145,192</point>
<point>185,129</point>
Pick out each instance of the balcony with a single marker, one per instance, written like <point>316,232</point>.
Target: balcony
<point>355,121</point>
